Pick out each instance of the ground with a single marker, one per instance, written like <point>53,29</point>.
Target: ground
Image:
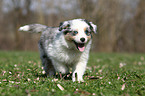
<point>107,74</point>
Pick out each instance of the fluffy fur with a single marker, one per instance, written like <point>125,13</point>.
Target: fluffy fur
<point>65,46</point>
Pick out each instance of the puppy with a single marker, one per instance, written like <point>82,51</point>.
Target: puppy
<point>65,46</point>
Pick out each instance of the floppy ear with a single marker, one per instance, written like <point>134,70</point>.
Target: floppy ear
<point>94,27</point>
<point>64,25</point>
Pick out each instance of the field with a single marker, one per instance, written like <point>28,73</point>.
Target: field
<point>107,74</point>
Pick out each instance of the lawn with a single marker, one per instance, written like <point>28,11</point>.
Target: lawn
<point>107,74</point>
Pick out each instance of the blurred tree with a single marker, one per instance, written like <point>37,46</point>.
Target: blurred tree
<point>18,18</point>
<point>139,27</point>
<point>108,16</point>
<point>87,7</point>
<point>40,13</point>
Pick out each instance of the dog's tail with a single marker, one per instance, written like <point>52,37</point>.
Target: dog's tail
<point>33,28</point>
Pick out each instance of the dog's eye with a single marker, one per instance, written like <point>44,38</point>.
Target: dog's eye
<point>75,32</point>
<point>87,32</point>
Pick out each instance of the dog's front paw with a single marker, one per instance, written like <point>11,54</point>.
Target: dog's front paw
<point>73,77</point>
<point>78,80</point>
<point>79,77</point>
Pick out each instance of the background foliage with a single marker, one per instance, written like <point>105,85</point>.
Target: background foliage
<point>121,23</point>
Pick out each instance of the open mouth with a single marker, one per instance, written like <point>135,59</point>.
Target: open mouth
<point>80,46</point>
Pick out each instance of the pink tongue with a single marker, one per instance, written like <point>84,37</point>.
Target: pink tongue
<point>81,48</point>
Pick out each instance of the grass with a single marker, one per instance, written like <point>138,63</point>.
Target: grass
<point>107,74</point>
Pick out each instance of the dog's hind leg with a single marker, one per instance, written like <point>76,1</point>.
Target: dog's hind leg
<point>60,67</point>
<point>46,62</point>
<point>48,67</point>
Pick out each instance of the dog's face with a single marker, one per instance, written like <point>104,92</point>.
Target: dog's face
<point>78,32</point>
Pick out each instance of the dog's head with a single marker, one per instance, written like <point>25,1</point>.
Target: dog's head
<point>78,31</point>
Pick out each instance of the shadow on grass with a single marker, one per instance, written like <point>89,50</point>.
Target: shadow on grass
<point>58,76</point>
<point>66,76</point>
<point>41,75</point>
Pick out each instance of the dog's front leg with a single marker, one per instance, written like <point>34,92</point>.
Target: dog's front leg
<point>79,69</point>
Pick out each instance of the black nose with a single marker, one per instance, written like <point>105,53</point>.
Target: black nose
<point>82,39</point>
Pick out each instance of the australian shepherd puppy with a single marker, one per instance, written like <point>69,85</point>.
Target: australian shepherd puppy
<point>65,46</point>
